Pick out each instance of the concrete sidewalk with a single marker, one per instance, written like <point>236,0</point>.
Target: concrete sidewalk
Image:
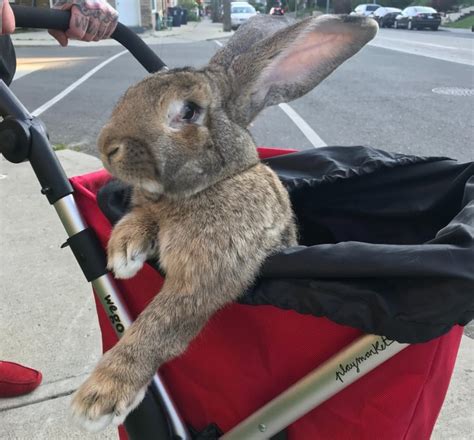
<point>47,313</point>
<point>193,31</point>
<point>48,319</point>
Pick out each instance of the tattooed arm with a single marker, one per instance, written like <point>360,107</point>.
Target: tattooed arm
<point>91,20</point>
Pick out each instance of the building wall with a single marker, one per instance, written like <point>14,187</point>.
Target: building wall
<point>146,15</point>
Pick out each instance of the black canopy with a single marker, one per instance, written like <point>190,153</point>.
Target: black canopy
<point>387,241</point>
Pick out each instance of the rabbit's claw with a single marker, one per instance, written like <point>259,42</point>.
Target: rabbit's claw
<point>103,400</point>
<point>126,263</point>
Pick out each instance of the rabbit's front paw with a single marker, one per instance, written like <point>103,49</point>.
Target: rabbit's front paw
<point>127,251</point>
<point>104,399</point>
<point>126,263</point>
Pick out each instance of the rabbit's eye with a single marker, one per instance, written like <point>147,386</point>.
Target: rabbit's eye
<point>190,112</point>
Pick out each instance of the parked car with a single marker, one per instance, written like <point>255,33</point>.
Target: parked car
<point>240,12</point>
<point>418,17</point>
<point>365,9</point>
<point>277,11</point>
<point>385,16</point>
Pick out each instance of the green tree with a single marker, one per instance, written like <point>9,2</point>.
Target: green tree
<point>190,5</point>
<point>443,5</point>
<point>342,6</point>
<point>258,6</point>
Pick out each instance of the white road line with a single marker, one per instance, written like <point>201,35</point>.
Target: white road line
<point>310,134</point>
<point>419,43</point>
<point>218,43</point>
<point>415,51</point>
<point>74,85</point>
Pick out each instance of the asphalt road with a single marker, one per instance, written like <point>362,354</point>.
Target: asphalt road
<point>383,97</point>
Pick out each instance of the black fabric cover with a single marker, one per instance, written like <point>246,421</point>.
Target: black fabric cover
<point>387,241</point>
<point>210,432</point>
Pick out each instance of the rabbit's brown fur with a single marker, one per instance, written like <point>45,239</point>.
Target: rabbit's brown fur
<point>202,200</point>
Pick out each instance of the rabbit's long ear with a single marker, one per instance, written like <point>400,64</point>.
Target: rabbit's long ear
<point>247,35</point>
<point>291,62</point>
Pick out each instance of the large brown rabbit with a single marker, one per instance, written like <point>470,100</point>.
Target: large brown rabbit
<point>202,200</point>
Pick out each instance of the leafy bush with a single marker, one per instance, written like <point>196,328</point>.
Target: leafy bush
<point>190,5</point>
<point>192,16</point>
<point>464,3</point>
<point>421,3</point>
<point>443,5</point>
<point>259,7</point>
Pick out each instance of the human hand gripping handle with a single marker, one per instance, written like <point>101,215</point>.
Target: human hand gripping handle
<point>91,20</point>
<point>7,19</point>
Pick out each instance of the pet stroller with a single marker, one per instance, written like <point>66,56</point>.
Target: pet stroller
<point>387,248</point>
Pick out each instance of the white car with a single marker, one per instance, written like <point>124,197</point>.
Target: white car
<point>365,9</point>
<point>240,12</point>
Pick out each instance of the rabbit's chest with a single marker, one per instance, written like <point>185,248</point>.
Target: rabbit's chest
<point>193,222</point>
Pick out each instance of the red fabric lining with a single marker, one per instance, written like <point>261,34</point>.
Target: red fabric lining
<point>435,351</point>
<point>435,386</point>
<point>247,355</point>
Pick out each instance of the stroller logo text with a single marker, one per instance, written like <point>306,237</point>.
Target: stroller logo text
<point>377,347</point>
<point>114,318</point>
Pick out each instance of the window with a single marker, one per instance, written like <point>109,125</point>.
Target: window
<point>425,10</point>
<point>242,10</point>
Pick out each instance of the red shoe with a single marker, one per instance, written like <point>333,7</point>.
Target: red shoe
<point>16,379</point>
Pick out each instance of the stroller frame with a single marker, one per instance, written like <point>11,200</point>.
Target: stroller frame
<point>24,137</point>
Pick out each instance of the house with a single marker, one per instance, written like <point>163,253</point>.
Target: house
<point>138,14</point>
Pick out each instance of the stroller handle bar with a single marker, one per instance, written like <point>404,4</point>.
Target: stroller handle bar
<point>42,18</point>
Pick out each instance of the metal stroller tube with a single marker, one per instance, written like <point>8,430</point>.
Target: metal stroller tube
<point>341,370</point>
<point>10,105</point>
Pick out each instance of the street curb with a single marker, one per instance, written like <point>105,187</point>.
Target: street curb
<point>46,391</point>
<point>456,30</point>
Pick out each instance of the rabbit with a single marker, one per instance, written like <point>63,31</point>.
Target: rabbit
<point>202,201</point>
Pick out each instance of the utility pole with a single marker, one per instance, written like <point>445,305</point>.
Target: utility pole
<point>215,11</point>
<point>227,25</point>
